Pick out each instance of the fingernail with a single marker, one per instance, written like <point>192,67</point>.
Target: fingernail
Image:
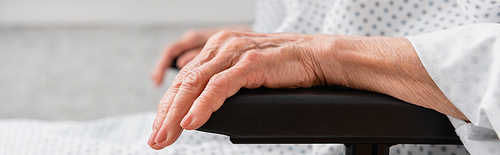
<point>152,138</point>
<point>186,121</point>
<point>162,135</point>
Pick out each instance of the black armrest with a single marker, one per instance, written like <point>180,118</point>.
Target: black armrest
<point>327,115</point>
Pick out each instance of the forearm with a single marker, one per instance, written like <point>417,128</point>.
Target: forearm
<point>386,65</point>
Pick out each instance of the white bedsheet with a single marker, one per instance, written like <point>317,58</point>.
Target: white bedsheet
<point>127,134</point>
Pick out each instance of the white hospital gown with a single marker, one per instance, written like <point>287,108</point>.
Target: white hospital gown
<point>463,61</point>
<point>465,64</point>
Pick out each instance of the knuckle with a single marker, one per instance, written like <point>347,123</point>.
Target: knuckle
<point>223,35</point>
<point>232,44</point>
<point>192,79</point>
<point>203,102</point>
<point>162,113</point>
<point>205,105</point>
<point>177,82</point>
<point>236,41</point>
<point>252,56</point>
<point>178,79</point>
<point>217,79</point>
<point>217,84</point>
<point>248,58</point>
<point>176,108</point>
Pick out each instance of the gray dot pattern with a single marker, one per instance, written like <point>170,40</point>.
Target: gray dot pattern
<point>402,18</point>
<point>413,149</point>
<point>482,11</point>
<point>397,18</point>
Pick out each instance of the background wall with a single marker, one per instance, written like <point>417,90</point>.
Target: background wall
<point>128,12</point>
<point>86,59</point>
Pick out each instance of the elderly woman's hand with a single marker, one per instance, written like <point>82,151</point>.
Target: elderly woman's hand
<point>185,49</point>
<point>231,60</point>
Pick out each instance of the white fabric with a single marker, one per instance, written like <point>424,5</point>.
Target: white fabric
<point>126,135</point>
<point>397,18</point>
<point>465,64</point>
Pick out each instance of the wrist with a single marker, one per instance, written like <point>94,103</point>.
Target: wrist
<point>337,60</point>
<point>387,65</point>
<point>367,63</point>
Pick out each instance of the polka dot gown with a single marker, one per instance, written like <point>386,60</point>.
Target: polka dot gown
<point>397,18</point>
<point>402,18</point>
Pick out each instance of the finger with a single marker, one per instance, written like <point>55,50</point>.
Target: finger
<point>188,41</point>
<point>220,87</point>
<point>175,110</point>
<point>157,76</point>
<point>163,107</point>
<point>193,83</point>
<point>166,102</point>
<point>186,57</point>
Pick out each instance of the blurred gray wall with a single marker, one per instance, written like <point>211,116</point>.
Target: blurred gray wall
<point>129,12</point>
<point>86,59</point>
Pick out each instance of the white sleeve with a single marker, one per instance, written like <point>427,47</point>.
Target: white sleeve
<point>465,64</point>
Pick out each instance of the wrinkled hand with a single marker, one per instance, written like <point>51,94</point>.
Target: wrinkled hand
<point>185,49</point>
<point>231,60</point>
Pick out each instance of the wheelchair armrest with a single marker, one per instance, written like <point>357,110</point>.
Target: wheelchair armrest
<point>327,115</point>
